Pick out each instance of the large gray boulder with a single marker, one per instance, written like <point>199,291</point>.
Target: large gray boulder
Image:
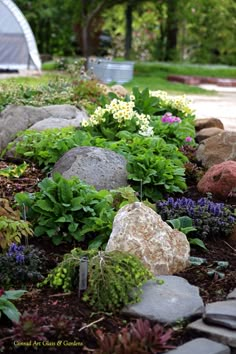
<point>17,118</point>
<point>101,168</point>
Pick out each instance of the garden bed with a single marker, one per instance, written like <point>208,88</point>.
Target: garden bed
<point>84,320</point>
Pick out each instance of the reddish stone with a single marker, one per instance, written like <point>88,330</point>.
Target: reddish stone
<point>220,180</point>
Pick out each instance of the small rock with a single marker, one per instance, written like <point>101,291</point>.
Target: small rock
<point>217,333</point>
<point>201,346</point>
<point>208,123</point>
<point>101,168</point>
<point>220,180</point>
<point>207,133</point>
<point>221,313</point>
<point>169,302</point>
<point>17,118</point>
<point>139,230</point>
<point>217,149</point>
<point>120,90</point>
<point>232,295</point>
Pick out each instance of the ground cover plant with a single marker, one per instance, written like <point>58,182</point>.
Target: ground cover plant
<point>61,308</point>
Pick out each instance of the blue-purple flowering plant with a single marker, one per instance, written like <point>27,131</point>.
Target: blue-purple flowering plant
<point>21,264</point>
<point>210,219</point>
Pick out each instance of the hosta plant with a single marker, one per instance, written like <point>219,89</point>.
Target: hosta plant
<point>69,210</point>
<point>210,219</point>
<point>7,307</point>
<point>114,278</point>
<point>185,225</point>
<point>139,338</point>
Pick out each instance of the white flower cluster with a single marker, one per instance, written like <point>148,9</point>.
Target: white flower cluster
<point>178,102</point>
<point>121,111</point>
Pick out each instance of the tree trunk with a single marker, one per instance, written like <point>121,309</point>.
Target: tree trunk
<point>128,30</point>
<point>171,30</point>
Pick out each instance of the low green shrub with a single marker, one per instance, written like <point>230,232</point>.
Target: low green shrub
<point>47,146</point>
<point>12,231</point>
<point>114,278</point>
<point>69,210</point>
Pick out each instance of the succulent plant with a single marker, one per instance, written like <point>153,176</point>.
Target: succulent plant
<point>139,338</point>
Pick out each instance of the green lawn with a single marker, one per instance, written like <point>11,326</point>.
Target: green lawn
<point>154,75</point>
<point>151,74</point>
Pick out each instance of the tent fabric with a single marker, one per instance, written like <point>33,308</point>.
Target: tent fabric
<point>18,49</point>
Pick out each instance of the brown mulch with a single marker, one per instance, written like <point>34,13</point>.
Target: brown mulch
<point>48,302</point>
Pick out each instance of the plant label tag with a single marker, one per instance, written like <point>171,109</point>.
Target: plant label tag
<point>83,273</point>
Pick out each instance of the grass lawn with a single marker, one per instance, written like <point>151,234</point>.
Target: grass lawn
<point>151,74</point>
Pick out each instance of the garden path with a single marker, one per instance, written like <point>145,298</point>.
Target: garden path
<point>222,105</point>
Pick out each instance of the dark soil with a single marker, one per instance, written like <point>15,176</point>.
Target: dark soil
<point>48,302</point>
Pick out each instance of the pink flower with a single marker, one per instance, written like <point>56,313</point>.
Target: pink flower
<point>168,118</point>
<point>1,292</point>
<point>188,139</point>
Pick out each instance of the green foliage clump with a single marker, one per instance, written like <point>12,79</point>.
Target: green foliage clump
<point>153,166</point>
<point>7,307</point>
<point>11,227</point>
<point>68,210</point>
<point>46,147</point>
<point>13,230</point>
<point>114,278</point>
<point>14,171</point>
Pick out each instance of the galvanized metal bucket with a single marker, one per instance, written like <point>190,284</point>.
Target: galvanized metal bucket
<point>111,71</point>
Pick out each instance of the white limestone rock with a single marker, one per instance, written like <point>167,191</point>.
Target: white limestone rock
<point>139,230</point>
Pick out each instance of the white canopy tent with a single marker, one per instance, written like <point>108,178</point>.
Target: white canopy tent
<point>18,49</point>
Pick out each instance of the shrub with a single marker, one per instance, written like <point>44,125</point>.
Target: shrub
<point>11,227</point>
<point>68,210</point>
<point>21,264</point>
<point>114,278</point>
<point>210,219</point>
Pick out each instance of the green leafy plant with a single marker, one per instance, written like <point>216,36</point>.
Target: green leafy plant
<point>13,230</point>
<point>152,164</point>
<point>15,171</point>
<point>114,278</point>
<point>45,147</point>
<point>139,337</point>
<point>67,210</point>
<point>11,227</point>
<point>185,225</point>
<point>7,307</point>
